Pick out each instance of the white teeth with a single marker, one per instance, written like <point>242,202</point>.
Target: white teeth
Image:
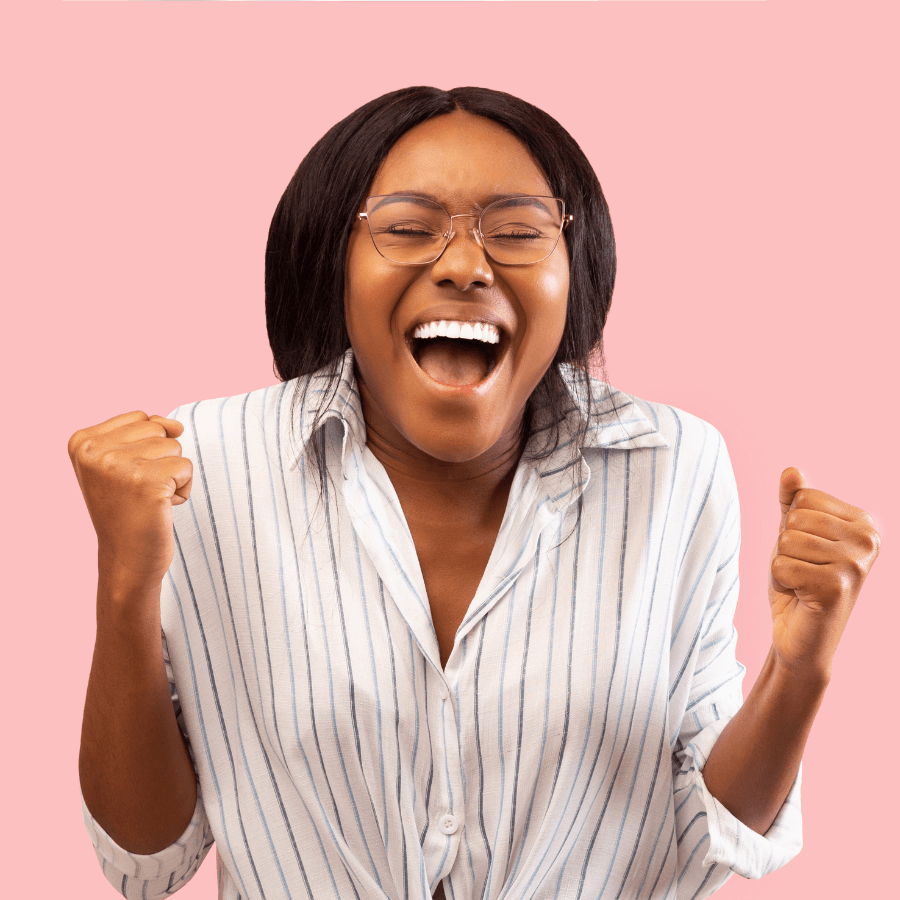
<point>479,331</point>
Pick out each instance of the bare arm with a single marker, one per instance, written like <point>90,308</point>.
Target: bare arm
<point>136,775</point>
<point>755,760</point>
<point>824,551</point>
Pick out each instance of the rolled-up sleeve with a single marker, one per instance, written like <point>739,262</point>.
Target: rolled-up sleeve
<point>713,843</point>
<point>154,876</point>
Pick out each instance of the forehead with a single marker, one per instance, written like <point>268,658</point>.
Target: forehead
<point>460,158</point>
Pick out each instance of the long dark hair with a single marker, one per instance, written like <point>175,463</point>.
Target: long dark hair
<point>307,244</point>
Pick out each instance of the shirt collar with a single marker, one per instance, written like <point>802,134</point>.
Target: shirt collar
<point>344,405</point>
<point>616,420</point>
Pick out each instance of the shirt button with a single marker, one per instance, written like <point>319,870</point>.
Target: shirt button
<point>442,690</point>
<point>448,823</point>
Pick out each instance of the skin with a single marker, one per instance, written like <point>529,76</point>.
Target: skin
<point>135,771</point>
<point>450,454</point>
<point>823,553</point>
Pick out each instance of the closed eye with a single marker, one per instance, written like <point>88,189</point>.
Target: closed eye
<point>515,235</point>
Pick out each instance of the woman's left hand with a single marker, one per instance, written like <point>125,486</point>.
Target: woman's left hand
<point>823,554</point>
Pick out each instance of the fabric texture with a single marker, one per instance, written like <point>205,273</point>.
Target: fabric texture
<point>559,754</point>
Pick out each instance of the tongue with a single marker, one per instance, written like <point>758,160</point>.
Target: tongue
<point>453,362</point>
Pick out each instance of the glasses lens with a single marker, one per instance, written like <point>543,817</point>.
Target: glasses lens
<point>522,229</point>
<point>407,229</point>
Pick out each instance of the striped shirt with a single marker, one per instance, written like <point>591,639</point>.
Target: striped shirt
<point>558,754</point>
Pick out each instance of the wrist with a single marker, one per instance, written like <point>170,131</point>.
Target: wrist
<point>809,680</point>
<point>120,575</point>
<point>127,601</point>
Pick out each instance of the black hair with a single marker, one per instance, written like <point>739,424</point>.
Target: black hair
<point>307,244</point>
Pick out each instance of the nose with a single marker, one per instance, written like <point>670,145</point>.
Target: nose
<point>464,262</point>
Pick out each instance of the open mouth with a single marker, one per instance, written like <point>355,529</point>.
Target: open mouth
<point>455,353</point>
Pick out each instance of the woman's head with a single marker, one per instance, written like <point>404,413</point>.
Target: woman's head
<point>323,272</point>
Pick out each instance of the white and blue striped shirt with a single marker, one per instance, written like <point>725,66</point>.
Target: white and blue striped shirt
<point>558,754</point>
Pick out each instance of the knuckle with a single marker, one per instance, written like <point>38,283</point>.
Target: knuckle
<point>792,520</point>
<point>87,446</point>
<point>107,462</point>
<point>873,538</point>
<point>74,443</point>
<point>873,541</point>
<point>868,538</point>
<point>846,582</point>
<point>136,475</point>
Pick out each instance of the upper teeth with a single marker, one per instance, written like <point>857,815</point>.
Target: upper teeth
<point>473,331</point>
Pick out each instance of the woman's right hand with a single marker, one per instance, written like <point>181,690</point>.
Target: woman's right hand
<point>131,473</point>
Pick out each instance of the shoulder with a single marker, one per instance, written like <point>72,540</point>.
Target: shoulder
<point>683,431</point>
<point>225,424</point>
<point>621,420</point>
<point>679,450</point>
<point>234,441</point>
<point>699,464</point>
<point>270,425</point>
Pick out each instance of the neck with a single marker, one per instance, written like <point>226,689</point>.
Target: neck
<point>413,467</point>
<point>482,481</point>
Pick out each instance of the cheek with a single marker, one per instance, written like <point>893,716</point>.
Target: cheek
<point>357,285</point>
<point>546,313</point>
<point>373,289</point>
<point>368,290</point>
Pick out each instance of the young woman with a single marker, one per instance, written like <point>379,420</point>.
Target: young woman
<point>441,613</point>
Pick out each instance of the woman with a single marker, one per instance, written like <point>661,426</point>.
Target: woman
<point>444,615</point>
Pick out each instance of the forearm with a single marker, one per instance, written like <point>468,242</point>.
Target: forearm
<point>136,774</point>
<point>755,760</point>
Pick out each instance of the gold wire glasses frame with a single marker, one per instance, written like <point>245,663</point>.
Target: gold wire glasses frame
<point>514,231</point>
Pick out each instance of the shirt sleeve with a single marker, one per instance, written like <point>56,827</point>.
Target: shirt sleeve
<point>712,843</point>
<point>154,876</point>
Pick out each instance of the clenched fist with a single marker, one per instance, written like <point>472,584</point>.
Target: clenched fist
<point>131,472</point>
<point>823,554</point>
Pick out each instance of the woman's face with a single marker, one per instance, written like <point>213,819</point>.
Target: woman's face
<point>455,406</point>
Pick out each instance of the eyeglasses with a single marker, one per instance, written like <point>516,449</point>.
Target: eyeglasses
<point>414,231</point>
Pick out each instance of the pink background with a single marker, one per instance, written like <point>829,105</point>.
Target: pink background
<point>749,155</point>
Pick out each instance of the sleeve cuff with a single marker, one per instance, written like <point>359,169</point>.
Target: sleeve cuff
<point>190,847</point>
<point>741,849</point>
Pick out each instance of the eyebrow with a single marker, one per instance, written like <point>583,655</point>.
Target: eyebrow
<point>523,199</point>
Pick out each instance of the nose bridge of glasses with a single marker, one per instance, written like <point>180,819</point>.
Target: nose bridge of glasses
<point>475,229</point>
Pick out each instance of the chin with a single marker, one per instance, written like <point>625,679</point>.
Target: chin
<point>456,442</point>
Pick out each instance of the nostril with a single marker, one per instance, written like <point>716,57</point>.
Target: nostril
<point>463,285</point>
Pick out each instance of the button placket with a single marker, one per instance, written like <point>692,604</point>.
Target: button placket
<point>447,796</point>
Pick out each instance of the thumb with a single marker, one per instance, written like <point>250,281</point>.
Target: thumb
<point>792,480</point>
